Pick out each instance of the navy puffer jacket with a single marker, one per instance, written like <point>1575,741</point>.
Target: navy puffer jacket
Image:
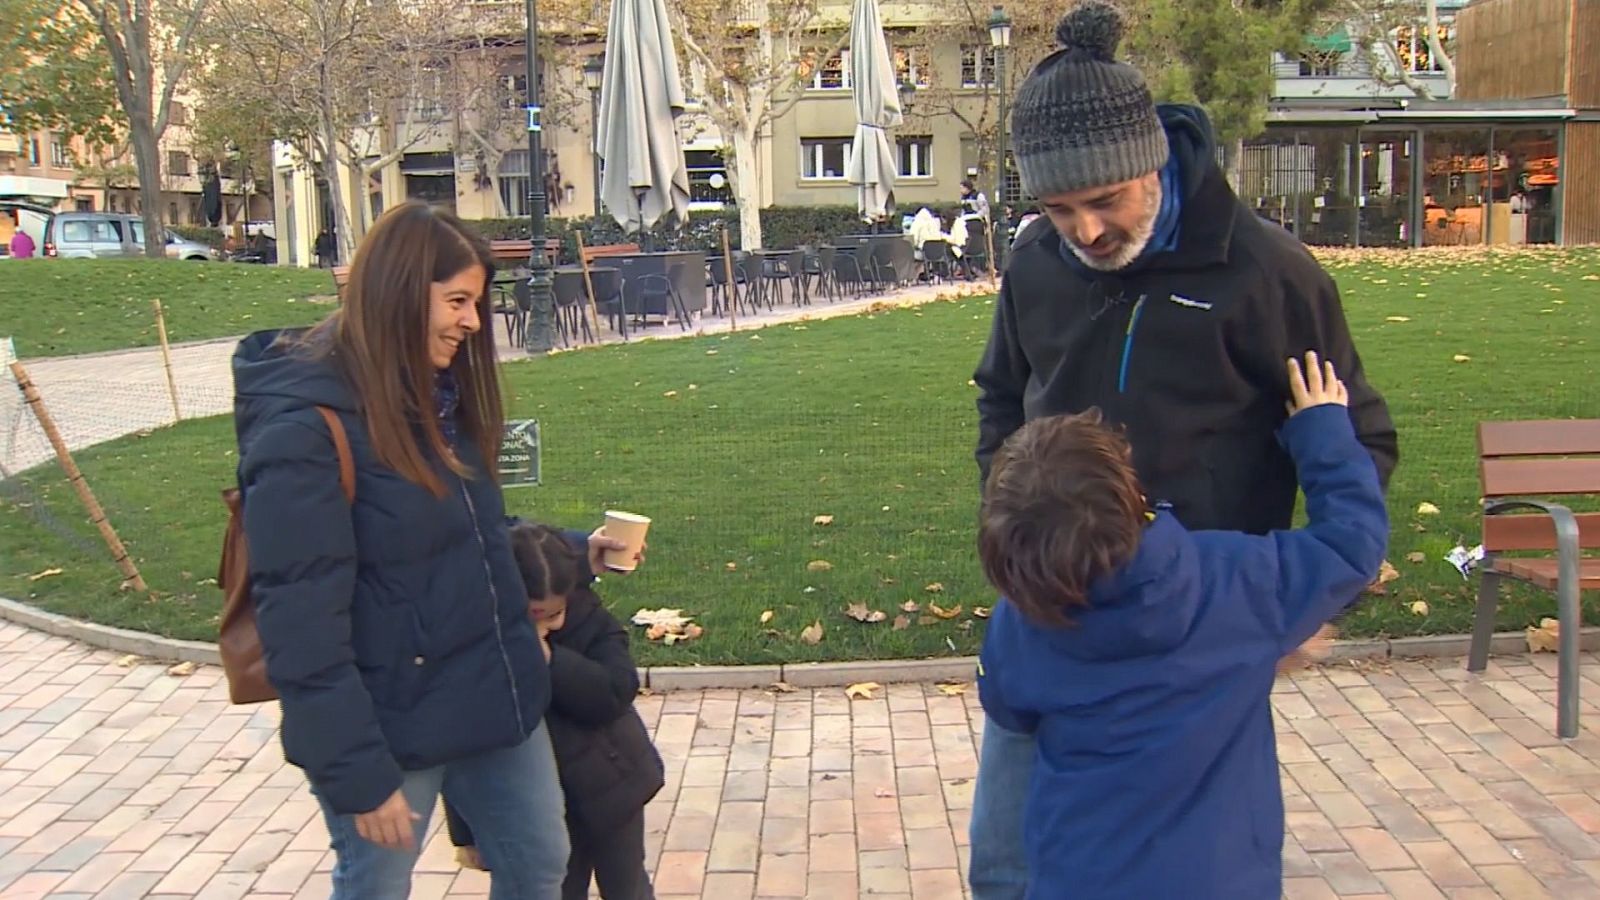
<point>396,631</point>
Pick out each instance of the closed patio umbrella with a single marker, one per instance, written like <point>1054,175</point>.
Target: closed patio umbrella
<point>645,177</point>
<point>872,166</point>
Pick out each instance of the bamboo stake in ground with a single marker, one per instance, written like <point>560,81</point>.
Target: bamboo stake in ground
<point>166,359</point>
<point>733,288</point>
<point>988,236</point>
<point>588,285</point>
<point>97,515</point>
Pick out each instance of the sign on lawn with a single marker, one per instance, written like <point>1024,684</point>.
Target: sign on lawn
<point>519,454</point>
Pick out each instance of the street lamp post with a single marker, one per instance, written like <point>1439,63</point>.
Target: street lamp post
<point>539,335</point>
<point>1000,40</point>
<point>594,72</point>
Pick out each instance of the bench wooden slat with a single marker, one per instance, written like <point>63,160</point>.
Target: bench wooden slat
<point>590,254</point>
<point>1540,477</point>
<point>1544,438</point>
<point>1543,572</point>
<point>1535,532</point>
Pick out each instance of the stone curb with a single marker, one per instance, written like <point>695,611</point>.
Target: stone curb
<point>800,675</point>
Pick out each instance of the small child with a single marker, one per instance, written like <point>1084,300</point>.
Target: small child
<point>1142,655</point>
<point>609,768</point>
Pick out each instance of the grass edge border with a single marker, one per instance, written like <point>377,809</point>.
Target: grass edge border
<point>799,675</point>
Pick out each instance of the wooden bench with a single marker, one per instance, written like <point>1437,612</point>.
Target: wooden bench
<point>590,254</point>
<point>1519,461</point>
<point>517,251</point>
<point>341,277</point>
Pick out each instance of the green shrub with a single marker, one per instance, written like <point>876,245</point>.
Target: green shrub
<point>781,227</point>
<point>205,234</point>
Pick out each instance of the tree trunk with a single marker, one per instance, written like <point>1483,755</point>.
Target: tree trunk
<point>328,162</point>
<point>1436,47</point>
<point>745,181</point>
<point>1232,160</point>
<point>147,160</point>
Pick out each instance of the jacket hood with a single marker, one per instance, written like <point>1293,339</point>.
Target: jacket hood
<point>1191,140</point>
<point>272,375</point>
<point>582,605</point>
<point>1145,607</point>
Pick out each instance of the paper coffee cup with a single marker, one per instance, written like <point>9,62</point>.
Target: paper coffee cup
<point>630,529</point>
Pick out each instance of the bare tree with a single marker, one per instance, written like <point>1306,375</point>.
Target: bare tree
<point>148,44</point>
<point>352,86</point>
<point>1374,26</point>
<point>747,59</point>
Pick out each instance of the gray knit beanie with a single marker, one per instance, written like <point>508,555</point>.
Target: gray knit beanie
<point>1082,119</point>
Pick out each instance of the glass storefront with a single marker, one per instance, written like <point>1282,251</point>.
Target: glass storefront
<point>1387,200</point>
<point>1385,186</point>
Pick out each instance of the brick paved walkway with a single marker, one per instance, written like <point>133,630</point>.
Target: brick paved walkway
<point>1414,781</point>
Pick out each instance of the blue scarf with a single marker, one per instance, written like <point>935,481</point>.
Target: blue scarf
<point>1163,237</point>
<point>446,403</point>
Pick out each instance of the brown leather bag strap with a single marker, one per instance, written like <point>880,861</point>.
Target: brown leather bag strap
<point>341,443</point>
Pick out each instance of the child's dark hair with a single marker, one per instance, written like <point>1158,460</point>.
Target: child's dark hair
<point>1062,509</point>
<point>550,565</point>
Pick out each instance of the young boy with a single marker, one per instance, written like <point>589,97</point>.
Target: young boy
<point>1142,655</point>
<point>609,768</point>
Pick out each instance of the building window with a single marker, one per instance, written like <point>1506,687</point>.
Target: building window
<point>833,74</point>
<point>916,157</point>
<point>58,153</point>
<point>33,151</point>
<point>514,183</point>
<point>1320,64</point>
<point>708,177</point>
<point>429,102</point>
<point>977,66</point>
<point>177,162</point>
<point>515,86</point>
<point>912,64</point>
<point>823,158</point>
<point>1412,45</point>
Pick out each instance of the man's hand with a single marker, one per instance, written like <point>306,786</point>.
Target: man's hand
<point>1315,385</point>
<point>392,825</point>
<point>1311,652</point>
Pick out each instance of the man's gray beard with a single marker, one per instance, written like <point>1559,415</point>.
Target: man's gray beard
<point>1140,239</point>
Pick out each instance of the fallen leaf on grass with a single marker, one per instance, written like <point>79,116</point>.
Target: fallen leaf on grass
<point>1417,557</point>
<point>1427,509</point>
<point>1546,637</point>
<point>1399,319</point>
<point>1461,358</point>
<point>952,690</point>
<point>732,567</point>
<point>672,618</point>
<point>822,520</point>
<point>980,612</point>
<point>811,634</point>
<point>862,691</point>
<point>1419,608</point>
<point>766,617</point>
<point>47,573</point>
<point>943,613</point>
<point>935,588</point>
<point>127,662</point>
<point>861,613</point>
<point>181,669</point>
<point>670,394</point>
<point>911,606</point>
<point>901,623</point>
<point>819,565</point>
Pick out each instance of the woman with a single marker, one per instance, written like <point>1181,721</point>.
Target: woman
<point>396,627</point>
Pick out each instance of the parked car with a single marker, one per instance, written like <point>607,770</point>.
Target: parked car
<point>90,235</point>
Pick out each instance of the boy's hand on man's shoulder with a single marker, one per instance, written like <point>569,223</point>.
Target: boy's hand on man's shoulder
<point>1314,384</point>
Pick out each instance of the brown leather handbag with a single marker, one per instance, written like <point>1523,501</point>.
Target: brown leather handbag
<point>238,641</point>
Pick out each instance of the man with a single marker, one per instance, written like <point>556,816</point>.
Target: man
<point>1148,290</point>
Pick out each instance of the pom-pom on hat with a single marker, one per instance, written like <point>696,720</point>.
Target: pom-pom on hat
<point>1082,119</point>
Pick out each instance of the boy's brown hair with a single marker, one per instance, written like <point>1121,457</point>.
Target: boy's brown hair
<point>1062,509</point>
<point>550,566</point>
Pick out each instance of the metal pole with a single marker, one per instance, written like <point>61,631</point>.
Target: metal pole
<point>1001,225</point>
<point>539,336</point>
<point>594,145</point>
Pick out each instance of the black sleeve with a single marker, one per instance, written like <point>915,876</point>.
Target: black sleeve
<point>1001,378</point>
<point>302,576</point>
<point>1318,323</point>
<point>595,686</point>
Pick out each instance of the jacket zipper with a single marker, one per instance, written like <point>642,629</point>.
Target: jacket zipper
<point>499,633</point>
<point>1127,346</point>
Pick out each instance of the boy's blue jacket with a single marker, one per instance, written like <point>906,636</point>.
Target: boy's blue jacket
<point>1158,772</point>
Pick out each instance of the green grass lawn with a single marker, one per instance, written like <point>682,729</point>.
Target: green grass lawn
<point>736,444</point>
<point>59,307</point>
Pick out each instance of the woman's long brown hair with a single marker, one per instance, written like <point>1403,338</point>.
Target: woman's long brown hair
<point>380,340</point>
